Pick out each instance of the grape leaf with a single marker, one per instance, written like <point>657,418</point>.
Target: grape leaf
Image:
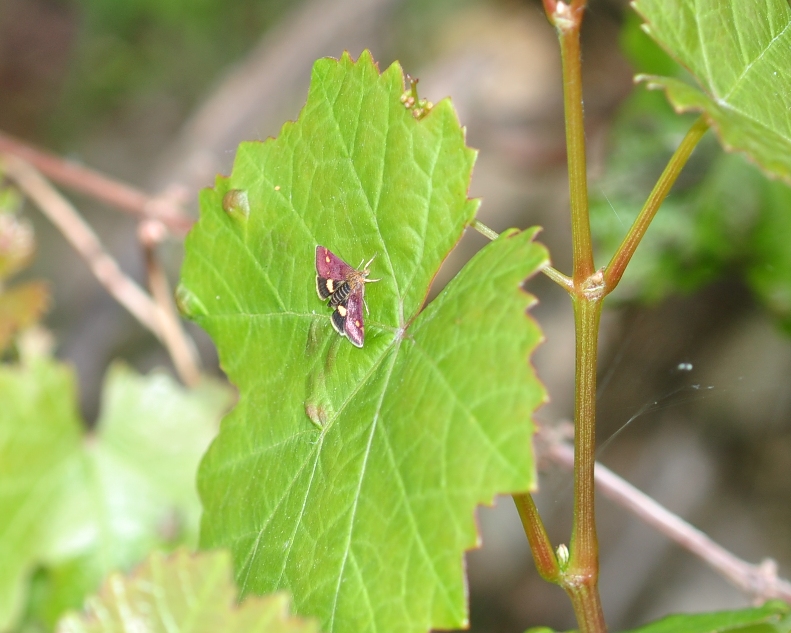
<point>738,52</point>
<point>77,505</point>
<point>772,617</point>
<point>182,592</point>
<point>39,436</point>
<point>350,476</point>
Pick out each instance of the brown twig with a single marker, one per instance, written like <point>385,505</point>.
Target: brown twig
<point>99,186</point>
<point>157,314</point>
<point>66,218</point>
<point>182,350</point>
<point>760,581</point>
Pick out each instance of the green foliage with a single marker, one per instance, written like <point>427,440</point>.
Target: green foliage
<point>182,592</point>
<point>76,505</point>
<point>350,476</point>
<point>738,53</point>
<point>773,617</point>
<point>128,53</point>
<point>722,218</point>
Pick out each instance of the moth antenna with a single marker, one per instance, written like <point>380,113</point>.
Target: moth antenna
<point>370,260</point>
<point>370,281</point>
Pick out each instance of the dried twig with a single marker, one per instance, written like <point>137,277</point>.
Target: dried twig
<point>760,581</point>
<point>99,186</point>
<point>182,350</point>
<point>158,315</point>
<point>66,218</point>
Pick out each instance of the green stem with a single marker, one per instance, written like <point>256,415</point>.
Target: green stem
<point>583,565</point>
<point>543,555</point>
<point>559,278</point>
<point>621,258</point>
<point>587,608</point>
<point>567,23</point>
<point>579,577</point>
<point>484,230</point>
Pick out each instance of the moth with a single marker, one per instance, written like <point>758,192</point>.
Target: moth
<point>344,286</point>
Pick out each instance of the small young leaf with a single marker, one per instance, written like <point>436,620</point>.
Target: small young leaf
<point>772,617</point>
<point>739,54</point>
<point>182,592</point>
<point>350,476</point>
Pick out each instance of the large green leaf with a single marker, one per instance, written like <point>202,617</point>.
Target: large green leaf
<point>739,53</point>
<point>76,505</point>
<point>350,476</point>
<point>773,617</point>
<point>182,593</point>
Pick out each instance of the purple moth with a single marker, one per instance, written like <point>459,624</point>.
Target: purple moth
<point>344,286</point>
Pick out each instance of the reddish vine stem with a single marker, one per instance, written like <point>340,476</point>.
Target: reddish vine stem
<point>579,574</point>
<point>99,186</point>
<point>582,576</point>
<point>567,19</point>
<point>546,561</point>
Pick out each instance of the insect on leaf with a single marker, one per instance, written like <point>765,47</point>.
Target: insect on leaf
<point>344,286</point>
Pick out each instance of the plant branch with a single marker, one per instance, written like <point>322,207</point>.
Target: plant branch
<point>66,218</point>
<point>559,278</point>
<point>567,19</point>
<point>179,344</point>
<point>99,186</point>
<point>583,568</point>
<point>621,258</point>
<point>760,581</point>
<point>540,546</point>
<point>484,230</point>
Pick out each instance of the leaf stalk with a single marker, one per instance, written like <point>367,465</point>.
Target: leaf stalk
<point>540,546</point>
<point>622,257</point>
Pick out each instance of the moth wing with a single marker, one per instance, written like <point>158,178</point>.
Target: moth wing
<point>325,287</point>
<point>353,325</point>
<point>338,320</point>
<point>330,266</point>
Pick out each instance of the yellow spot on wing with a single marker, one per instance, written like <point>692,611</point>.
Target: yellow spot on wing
<point>342,311</point>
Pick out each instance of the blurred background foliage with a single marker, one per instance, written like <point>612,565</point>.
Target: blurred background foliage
<point>694,369</point>
<point>77,66</point>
